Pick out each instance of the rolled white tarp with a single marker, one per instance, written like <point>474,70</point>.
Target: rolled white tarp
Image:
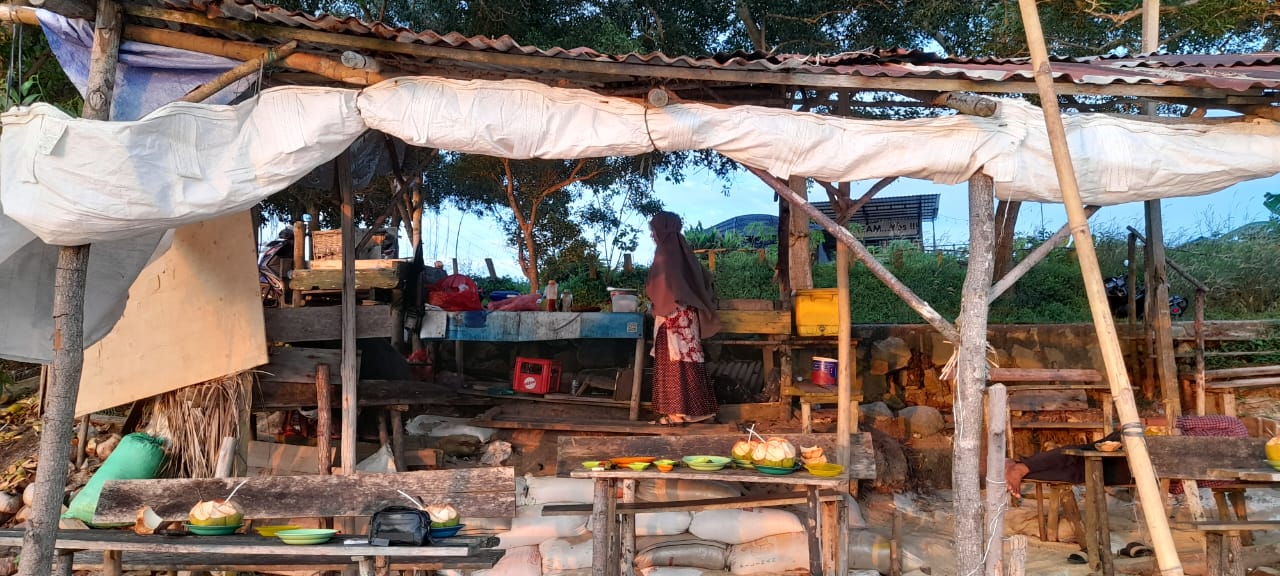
<point>72,181</point>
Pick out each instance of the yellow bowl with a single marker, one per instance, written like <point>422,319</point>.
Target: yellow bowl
<point>1273,450</point>
<point>825,470</point>
<point>270,531</point>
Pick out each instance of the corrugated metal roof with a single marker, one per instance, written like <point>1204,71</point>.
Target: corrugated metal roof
<point>1226,72</point>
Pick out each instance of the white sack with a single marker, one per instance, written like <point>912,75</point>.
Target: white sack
<point>680,571</point>
<point>552,489</point>
<point>380,462</point>
<point>772,555</point>
<point>522,561</point>
<point>72,181</point>
<point>516,119</point>
<point>659,523</point>
<point>746,525</point>
<point>687,551</point>
<point>573,553</point>
<point>870,551</point>
<point>441,426</point>
<point>673,490</point>
<point>530,528</point>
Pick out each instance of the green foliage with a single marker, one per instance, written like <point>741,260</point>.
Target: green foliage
<point>1239,267</point>
<point>41,79</point>
<point>487,284</point>
<point>700,238</point>
<point>741,275</point>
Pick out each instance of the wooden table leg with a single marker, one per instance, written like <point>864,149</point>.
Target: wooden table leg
<point>602,513</point>
<point>843,512</point>
<point>366,565</point>
<point>63,562</point>
<point>830,530</point>
<point>1093,468</point>
<point>1090,535</point>
<point>811,529</point>
<point>381,566</point>
<point>628,560</point>
<point>1233,556</point>
<point>1213,554</point>
<point>111,565</point>
<point>637,378</point>
<point>1236,496</point>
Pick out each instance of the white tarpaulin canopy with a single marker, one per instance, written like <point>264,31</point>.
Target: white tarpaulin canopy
<point>71,181</point>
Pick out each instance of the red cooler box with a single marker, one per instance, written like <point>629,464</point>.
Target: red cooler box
<point>536,376</point>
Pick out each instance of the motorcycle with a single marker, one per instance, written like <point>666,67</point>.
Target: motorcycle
<point>270,269</point>
<point>1117,288</point>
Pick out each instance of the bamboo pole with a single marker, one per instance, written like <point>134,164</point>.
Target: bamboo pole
<point>1130,423</point>
<point>997,494</point>
<point>1035,257</point>
<point>204,91</point>
<point>1200,376</point>
<point>971,377</point>
<point>860,252</point>
<point>1131,294</point>
<point>68,327</point>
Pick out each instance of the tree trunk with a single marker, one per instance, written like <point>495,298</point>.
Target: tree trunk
<point>68,328</point>
<point>1006,223</point>
<point>530,260</point>
<point>971,378</point>
<point>799,259</point>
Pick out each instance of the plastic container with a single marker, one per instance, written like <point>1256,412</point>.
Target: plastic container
<point>824,371</point>
<point>624,303</point>
<point>536,376</point>
<point>500,295</point>
<point>817,312</point>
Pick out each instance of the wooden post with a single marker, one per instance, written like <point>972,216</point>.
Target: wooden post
<point>844,358</point>
<point>1035,257</point>
<point>860,252</point>
<point>397,436</point>
<point>971,377</point>
<point>628,560</point>
<point>812,531</point>
<point>350,376</point>
<point>68,327</point>
<point>799,258</point>
<point>1200,377</point>
<point>997,494</point>
<point>1017,555</point>
<point>455,265</point>
<point>225,466</point>
<point>1130,423</point>
<point>602,509</point>
<point>324,421</point>
<point>637,377</point>
<point>111,563</point>
<point>82,439</point>
<point>493,272</point>
<point>1148,391</point>
<point>626,264</point>
<point>299,257</point>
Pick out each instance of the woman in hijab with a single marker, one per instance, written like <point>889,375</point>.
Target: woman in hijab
<point>684,310</point>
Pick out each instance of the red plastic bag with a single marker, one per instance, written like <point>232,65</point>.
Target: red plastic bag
<point>523,303</point>
<point>455,293</point>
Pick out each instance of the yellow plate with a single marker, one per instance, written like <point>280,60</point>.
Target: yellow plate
<point>270,531</point>
<point>826,470</point>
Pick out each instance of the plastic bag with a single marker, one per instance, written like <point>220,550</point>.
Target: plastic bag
<point>456,293</point>
<point>137,457</point>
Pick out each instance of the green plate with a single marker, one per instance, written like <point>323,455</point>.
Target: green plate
<point>706,463</point>
<point>305,537</point>
<point>212,530</point>
<point>777,471</point>
<point>743,464</point>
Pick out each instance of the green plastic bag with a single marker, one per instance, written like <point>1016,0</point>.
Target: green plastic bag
<point>137,457</point>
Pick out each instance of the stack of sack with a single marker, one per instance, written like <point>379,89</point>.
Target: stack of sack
<point>742,542</point>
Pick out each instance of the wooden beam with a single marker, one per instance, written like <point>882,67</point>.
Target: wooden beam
<point>627,70</point>
<point>77,9</point>
<point>1036,256</point>
<point>861,253</point>
<point>1113,357</point>
<point>68,326</point>
<point>316,323</point>
<point>349,373</point>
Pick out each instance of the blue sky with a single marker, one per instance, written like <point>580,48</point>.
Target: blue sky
<point>700,198</point>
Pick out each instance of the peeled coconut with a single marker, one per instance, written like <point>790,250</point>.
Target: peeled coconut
<point>28,494</point>
<point>443,515</point>
<point>775,452</point>
<point>148,521</point>
<point>105,447</point>
<point>743,448</point>
<point>10,503</point>
<point>812,455</point>
<point>216,513</point>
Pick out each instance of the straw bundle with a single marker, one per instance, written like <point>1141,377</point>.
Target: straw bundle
<point>195,419</point>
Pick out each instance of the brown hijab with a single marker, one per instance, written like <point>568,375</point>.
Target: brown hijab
<point>677,277</point>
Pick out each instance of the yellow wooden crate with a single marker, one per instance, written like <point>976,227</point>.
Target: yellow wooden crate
<point>817,312</point>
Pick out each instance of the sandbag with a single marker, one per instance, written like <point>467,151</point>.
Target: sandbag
<point>674,489</point>
<point>520,561</point>
<point>137,457</point>
<point>681,571</point>
<point>560,554</point>
<point>485,525</point>
<point>659,523</point>
<point>772,555</point>
<point>687,551</point>
<point>576,572</point>
<point>742,526</point>
<point>530,528</point>
<point>553,490</point>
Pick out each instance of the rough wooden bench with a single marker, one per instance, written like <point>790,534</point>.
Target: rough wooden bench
<point>475,492</point>
<point>1225,382</point>
<point>1223,543</point>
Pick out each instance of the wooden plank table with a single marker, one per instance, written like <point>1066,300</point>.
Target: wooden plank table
<point>1259,474</point>
<point>116,542</point>
<point>1097,526</point>
<point>543,326</point>
<point>614,540</point>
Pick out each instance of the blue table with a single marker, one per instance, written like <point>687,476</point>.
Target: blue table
<point>463,327</point>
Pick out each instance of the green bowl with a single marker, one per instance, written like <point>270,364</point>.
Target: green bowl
<point>591,464</point>
<point>305,537</point>
<point>775,470</point>
<point>706,463</point>
<point>212,530</point>
<point>638,466</point>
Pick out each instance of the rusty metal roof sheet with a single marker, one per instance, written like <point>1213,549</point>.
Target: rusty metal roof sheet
<point>1226,72</point>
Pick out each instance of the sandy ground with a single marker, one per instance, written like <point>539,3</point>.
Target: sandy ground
<point>927,538</point>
